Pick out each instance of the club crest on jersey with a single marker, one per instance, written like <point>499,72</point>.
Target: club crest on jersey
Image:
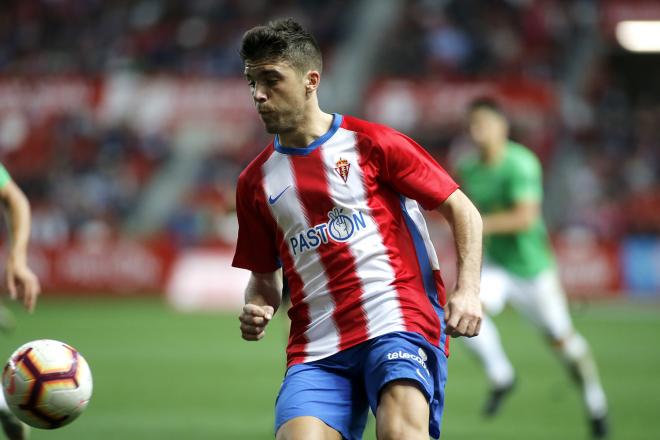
<point>342,167</point>
<point>339,229</point>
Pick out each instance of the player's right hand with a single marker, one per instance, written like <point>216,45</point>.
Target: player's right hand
<point>254,320</point>
<point>22,283</point>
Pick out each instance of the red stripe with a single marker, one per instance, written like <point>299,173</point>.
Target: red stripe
<point>299,311</point>
<point>418,313</point>
<point>344,285</point>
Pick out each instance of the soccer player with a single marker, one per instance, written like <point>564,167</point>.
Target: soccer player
<point>20,281</point>
<point>504,180</point>
<point>334,203</point>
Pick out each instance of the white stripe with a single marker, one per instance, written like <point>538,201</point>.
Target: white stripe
<point>289,214</point>
<point>379,297</point>
<point>418,218</point>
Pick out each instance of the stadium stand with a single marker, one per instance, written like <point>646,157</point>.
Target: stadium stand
<point>91,159</point>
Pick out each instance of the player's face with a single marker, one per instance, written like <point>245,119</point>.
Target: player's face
<point>279,94</point>
<point>487,127</point>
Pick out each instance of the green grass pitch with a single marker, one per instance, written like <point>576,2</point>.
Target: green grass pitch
<point>163,375</point>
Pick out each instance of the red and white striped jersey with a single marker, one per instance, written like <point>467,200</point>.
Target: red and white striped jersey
<point>342,218</point>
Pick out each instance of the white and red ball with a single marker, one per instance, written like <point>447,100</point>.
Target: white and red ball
<point>47,384</point>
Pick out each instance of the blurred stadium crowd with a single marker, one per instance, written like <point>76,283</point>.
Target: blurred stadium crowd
<point>84,172</point>
<point>614,134</point>
<point>81,173</point>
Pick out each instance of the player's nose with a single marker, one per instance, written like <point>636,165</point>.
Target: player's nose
<point>259,95</point>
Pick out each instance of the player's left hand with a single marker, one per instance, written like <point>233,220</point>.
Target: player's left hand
<point>463,314</point>
<point>22,283</point>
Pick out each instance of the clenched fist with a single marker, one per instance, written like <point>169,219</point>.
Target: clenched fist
<point>463,314</point>
<point>254,320</point>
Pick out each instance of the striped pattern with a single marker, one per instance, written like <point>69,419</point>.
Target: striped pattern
<point>356,252</point>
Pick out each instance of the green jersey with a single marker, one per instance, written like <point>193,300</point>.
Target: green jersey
<point>4,176</point>
<point>493,188</point>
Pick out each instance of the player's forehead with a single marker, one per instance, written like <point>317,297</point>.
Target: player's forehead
<point>257,68</point>
<point>481,113</point>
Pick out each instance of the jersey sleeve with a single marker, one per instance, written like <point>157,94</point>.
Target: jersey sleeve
<point>527,180</point>
<point>256,248</point>
<point>412,172</point>
<point>4,176</point>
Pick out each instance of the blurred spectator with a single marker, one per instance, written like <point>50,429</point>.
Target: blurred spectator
<point>83,172</point>
<point>82,168</point>
<point>614,189</point>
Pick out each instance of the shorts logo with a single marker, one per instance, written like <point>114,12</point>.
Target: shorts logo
<point>342,167</point>
<point>422,376</point>
<point>421,359</point>
<point>339,229</point>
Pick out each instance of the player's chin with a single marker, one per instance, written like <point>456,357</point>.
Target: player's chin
<point>272,127</point>
<point>269,121</point>
<point>276,123</point>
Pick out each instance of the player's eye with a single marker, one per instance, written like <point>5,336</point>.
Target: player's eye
<point>251,84</point>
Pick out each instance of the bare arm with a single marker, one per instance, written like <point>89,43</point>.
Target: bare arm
<point>263,295</point>
<point>520,218</point>
<point>19,279</point>
<point>463,310</point>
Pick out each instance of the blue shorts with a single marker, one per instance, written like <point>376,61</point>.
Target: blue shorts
<point>340,388</point>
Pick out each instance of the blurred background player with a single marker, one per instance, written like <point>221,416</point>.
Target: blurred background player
<point>504,180</point>
<point>19,280</point>
<point>370,321</point>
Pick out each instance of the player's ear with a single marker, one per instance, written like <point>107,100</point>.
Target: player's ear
<point>312,80</point>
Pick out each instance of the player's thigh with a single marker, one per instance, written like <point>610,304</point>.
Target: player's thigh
<point>496,284</point>
<point>542,300</point>
<point>305,428</point>
<point>405,380</point>
<point>403,412</point>
<point>311,394</point>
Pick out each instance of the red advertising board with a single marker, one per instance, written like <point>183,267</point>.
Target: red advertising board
<point>102,267</point>
<point>588,268</point>
<point>204,278</point>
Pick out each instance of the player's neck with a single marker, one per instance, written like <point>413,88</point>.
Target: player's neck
<point>493,153</point>
<point>315,124</point>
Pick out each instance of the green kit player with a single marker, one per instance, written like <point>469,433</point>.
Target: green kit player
<point>504,180</point>
<point>19,280</point>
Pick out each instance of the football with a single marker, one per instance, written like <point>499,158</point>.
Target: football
<point>47,384</point>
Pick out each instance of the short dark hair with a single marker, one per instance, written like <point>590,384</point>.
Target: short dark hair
<point>282,40</point>
<point>488,103</point>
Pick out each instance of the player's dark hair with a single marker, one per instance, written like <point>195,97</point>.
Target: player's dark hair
<point>282,40</point>
<point>487,103</point>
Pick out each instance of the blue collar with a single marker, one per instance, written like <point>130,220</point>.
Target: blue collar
<point>336,123</point>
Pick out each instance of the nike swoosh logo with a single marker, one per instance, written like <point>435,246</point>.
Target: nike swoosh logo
<point>272,200</point>
<point>420,375</point>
